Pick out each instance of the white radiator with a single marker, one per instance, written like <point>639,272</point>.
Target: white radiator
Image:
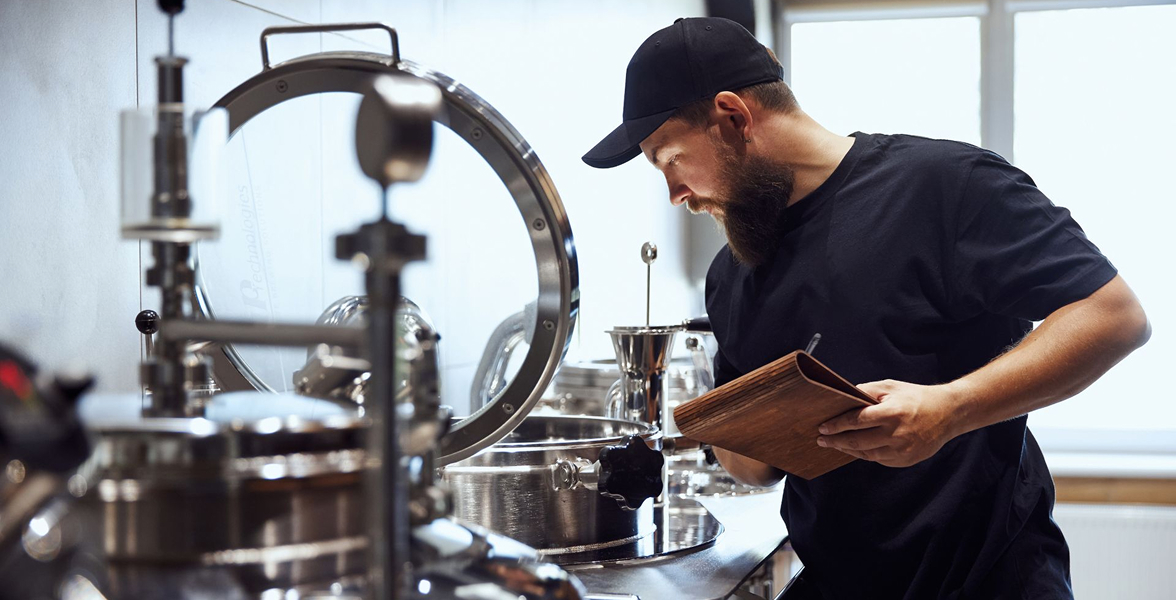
<point>1120,552</point>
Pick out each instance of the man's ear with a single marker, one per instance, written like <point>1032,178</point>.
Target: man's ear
<point>734,117</point>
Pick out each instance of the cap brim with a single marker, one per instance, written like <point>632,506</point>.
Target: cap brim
<point>620,146</point>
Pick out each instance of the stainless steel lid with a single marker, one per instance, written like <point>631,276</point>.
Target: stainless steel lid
<point>187,449</point>
<point>516,166</point>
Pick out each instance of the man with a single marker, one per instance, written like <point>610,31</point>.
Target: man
<point>922,264</point>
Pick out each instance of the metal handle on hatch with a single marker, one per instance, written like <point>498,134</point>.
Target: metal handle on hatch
<point>325,28</point>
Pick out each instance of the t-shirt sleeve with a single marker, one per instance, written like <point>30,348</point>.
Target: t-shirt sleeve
<point>1016,253</point>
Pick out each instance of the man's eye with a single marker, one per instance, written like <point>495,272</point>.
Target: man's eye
<point>674,159</point>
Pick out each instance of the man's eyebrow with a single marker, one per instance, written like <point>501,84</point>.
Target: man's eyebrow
<point>653,154</point>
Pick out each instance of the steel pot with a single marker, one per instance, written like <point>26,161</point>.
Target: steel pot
<point>564,484</point>
<point>275,503</point>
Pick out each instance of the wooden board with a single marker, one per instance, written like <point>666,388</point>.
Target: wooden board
<point>772,413</point>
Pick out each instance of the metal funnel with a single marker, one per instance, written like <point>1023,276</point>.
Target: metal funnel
<point>643,355</point>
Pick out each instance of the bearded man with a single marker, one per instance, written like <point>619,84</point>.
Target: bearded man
<point>923,264</point>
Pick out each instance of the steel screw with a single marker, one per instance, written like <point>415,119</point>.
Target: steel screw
<point>476,133</point>
<point>283,86</point>
<point>539,224</point>
<point>508,408</point>
<point>548,325</point>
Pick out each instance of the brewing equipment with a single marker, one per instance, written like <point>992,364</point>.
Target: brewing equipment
<point>196,497</point>
<point>182,506</point>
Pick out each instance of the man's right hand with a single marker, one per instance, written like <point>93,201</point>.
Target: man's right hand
<point>748,470</point>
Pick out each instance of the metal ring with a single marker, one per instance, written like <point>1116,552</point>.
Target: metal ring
<point>520,170</point>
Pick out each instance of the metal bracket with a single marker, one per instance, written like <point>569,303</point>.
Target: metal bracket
<point>325,28</point>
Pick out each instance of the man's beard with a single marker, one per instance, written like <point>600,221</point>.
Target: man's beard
<point>755,191</point>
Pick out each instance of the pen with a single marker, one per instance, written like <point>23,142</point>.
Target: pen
<point>812,345</point>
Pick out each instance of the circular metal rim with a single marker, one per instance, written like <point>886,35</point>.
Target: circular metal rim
<point>647,433</point>
<point>520,170</point>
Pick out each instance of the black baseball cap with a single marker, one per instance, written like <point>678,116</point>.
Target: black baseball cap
<point>690,60</point>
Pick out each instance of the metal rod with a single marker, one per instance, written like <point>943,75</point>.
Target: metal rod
<point>268,334</point>
<point>648,290</point>
<point>388,489</point>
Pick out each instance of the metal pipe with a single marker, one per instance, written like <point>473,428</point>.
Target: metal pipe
<point>490,376</point>
<point>268,334</point>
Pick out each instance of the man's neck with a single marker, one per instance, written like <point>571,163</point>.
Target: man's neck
<point>812,151</point>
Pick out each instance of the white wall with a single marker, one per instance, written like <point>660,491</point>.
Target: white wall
<point>70,288</point>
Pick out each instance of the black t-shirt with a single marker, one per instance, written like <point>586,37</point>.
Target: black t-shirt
<point>917,260</point>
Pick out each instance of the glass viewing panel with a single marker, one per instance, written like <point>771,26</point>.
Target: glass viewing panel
<point>292,183</point>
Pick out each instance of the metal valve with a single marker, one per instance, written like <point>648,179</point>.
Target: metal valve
<point>628,473</point>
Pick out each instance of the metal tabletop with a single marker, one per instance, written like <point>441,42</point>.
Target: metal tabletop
<point>753,531</point>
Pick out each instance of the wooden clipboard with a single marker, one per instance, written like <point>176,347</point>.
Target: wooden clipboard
<point>772,413</point>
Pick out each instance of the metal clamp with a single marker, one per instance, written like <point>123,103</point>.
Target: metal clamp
<point>325,28</point>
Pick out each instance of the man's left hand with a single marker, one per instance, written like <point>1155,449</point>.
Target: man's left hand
<point>909,424</point>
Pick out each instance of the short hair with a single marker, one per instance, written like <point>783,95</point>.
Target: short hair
<point>774,96</point>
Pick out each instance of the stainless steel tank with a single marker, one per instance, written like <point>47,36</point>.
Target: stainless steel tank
<point>275,503</point>
<point>565,485</point>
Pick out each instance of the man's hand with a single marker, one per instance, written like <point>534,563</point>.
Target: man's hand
<point>909,425</point>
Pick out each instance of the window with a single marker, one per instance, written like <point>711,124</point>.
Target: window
<point>1078,93</point>
<point>880,77</point>
<point>1094,97</point>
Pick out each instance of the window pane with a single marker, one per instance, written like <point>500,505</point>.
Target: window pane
<point>918,76</point>
<point>1094,126</point>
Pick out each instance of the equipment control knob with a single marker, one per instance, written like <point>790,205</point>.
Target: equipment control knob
<point>630,472</point>
<point>147,322</point>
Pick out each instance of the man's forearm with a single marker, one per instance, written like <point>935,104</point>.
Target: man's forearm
<point>1071,348</point>
<point>748,470</point>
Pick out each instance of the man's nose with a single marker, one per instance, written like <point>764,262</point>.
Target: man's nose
<point>679,193</point>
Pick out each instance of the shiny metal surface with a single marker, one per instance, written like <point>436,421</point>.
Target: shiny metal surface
<point>520,170</point>
<point>581,387</point>
<point>643,354</point>
<point>752,532</point>
<point>683,526</point>
<point>490,377</point>
<point>273,503</point>
<point>469,562</point>
<point>333,373</point>
<point>521,486</point>
<point>394,128</point>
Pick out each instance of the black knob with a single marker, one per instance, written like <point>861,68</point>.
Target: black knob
<point>171,7</point>
<point>630,472</point>
<point>147,322</point>
<point>708,454</point>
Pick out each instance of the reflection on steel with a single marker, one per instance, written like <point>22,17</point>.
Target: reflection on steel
<point>333,373</point>
<point>534,486</point>
<point>520,170</point>
<point>276,503</point>
<point>752,532</point>
<point>643,354</point>
<point>268,334</point>
<point>490,377</point>
<point>463,561</point>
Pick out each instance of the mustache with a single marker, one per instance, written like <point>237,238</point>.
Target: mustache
<point>699,204</point>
